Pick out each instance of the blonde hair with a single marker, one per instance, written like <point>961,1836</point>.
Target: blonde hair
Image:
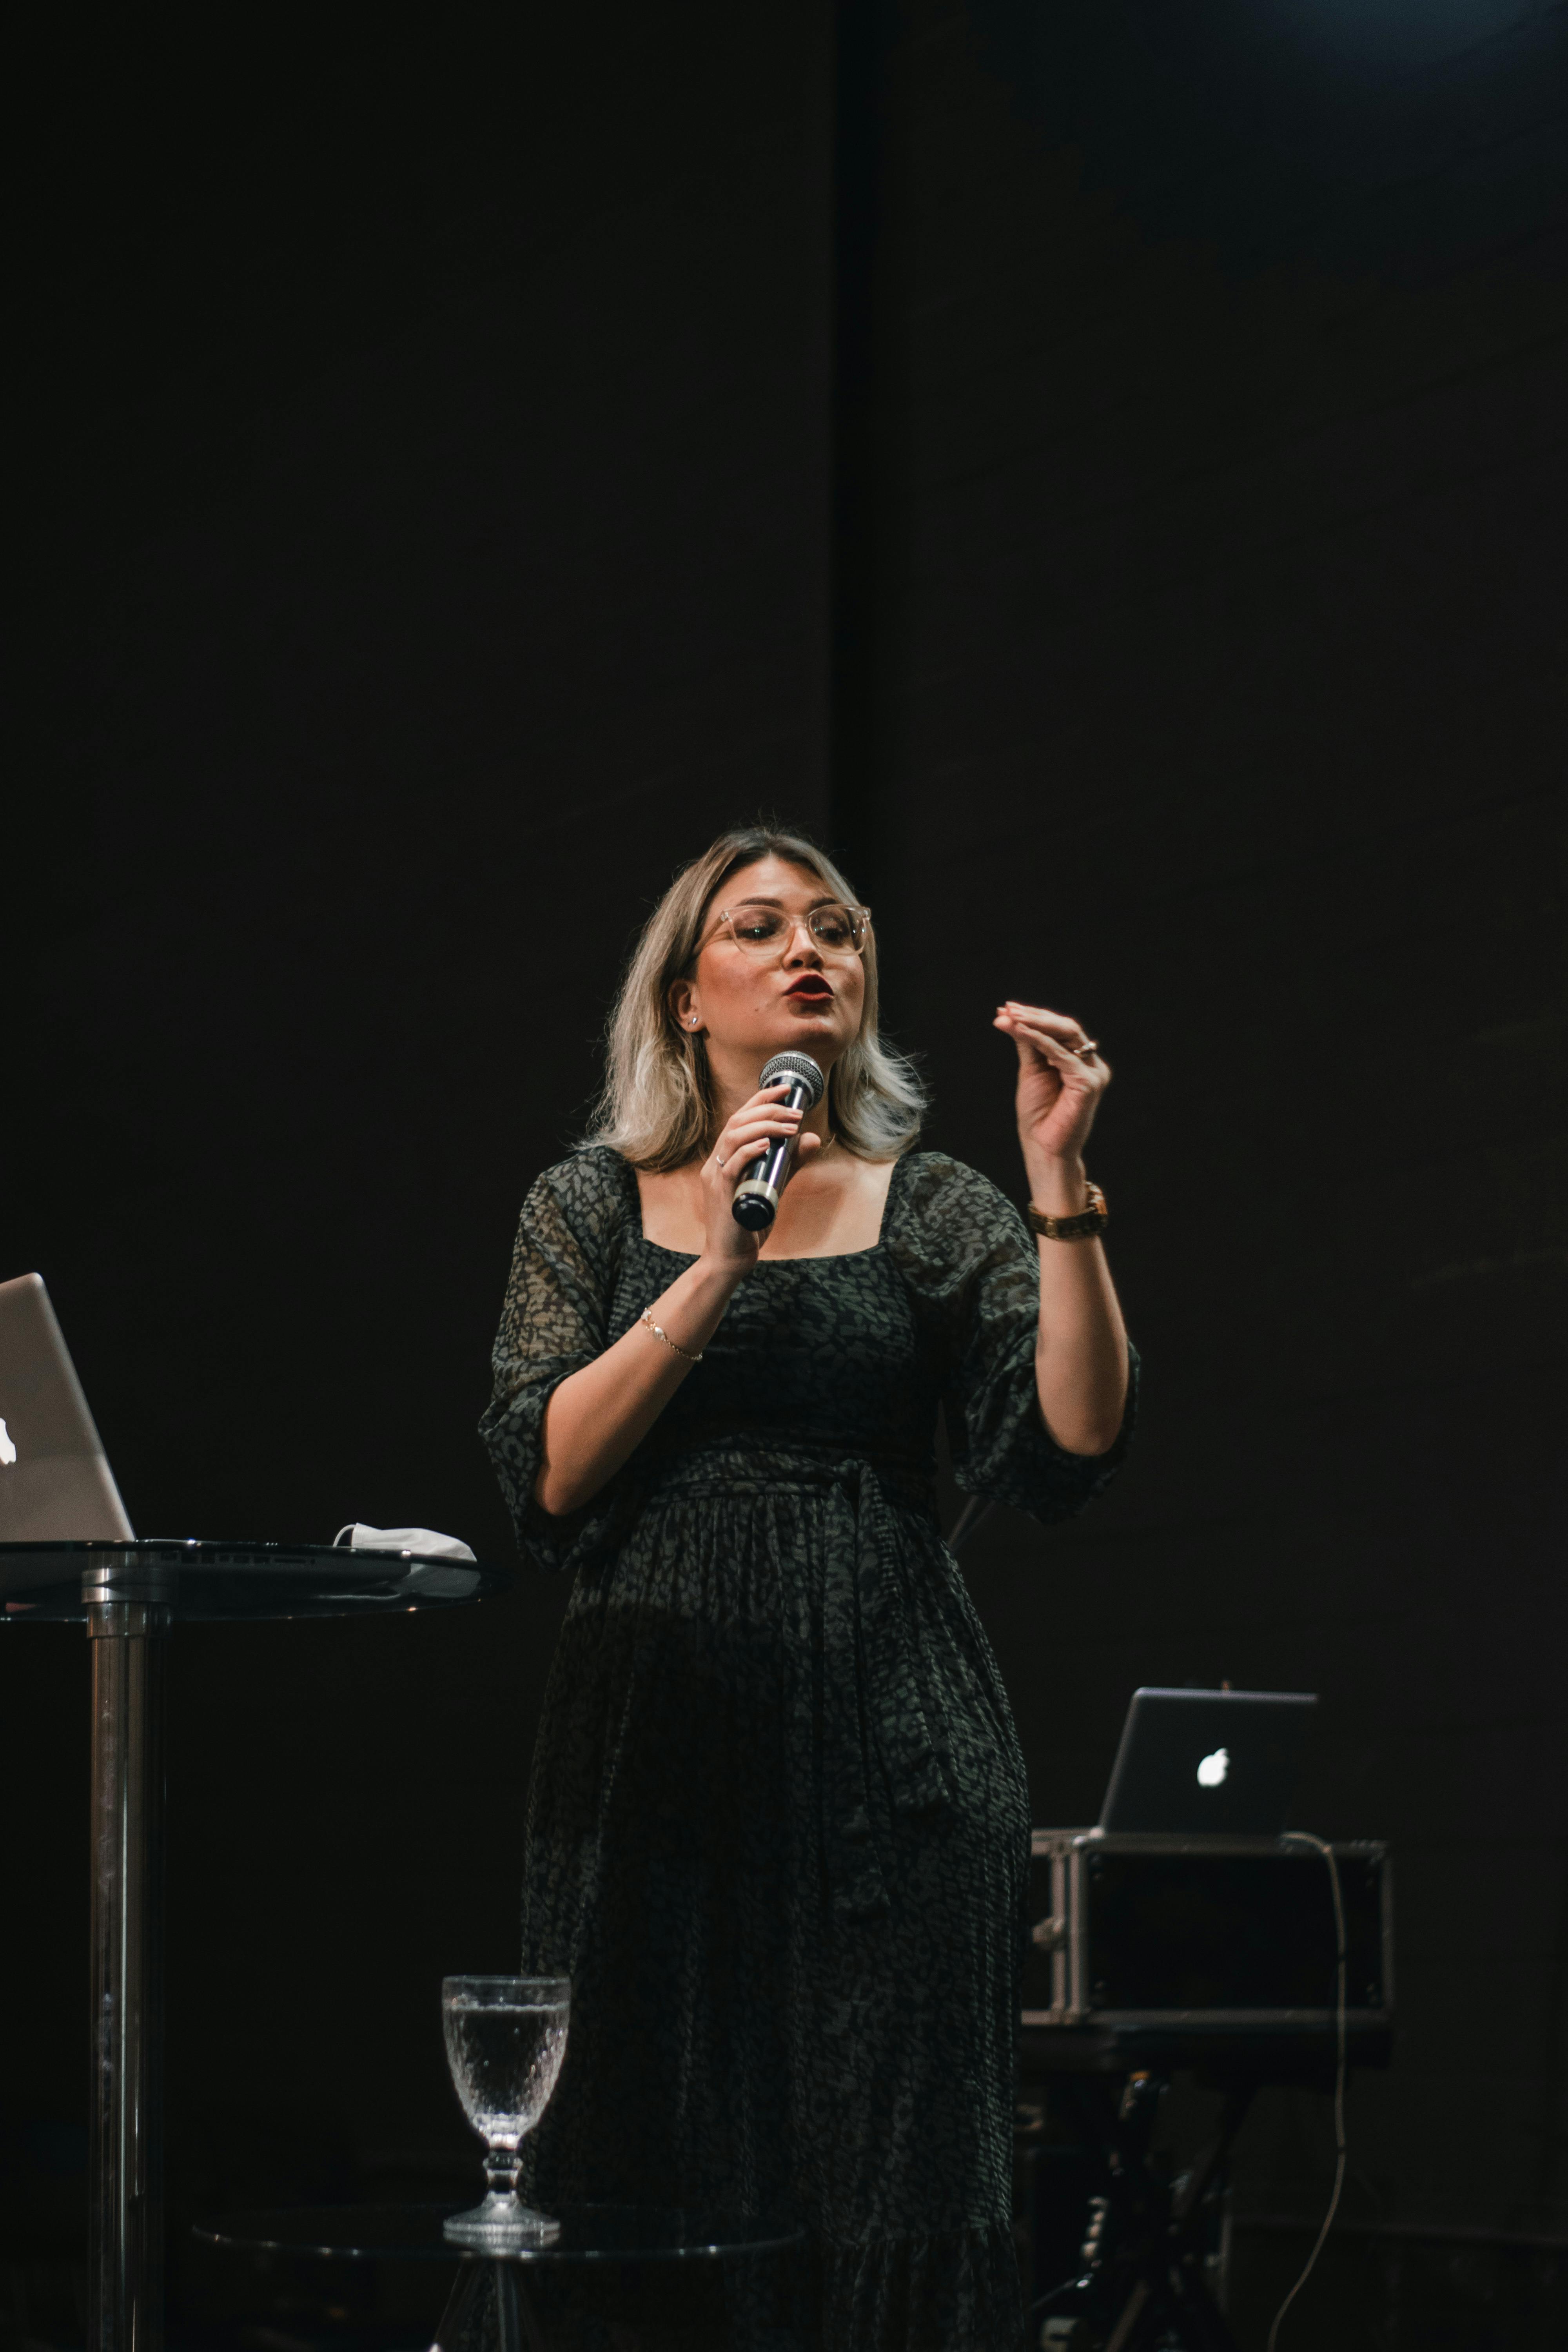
<point>656,1109</point>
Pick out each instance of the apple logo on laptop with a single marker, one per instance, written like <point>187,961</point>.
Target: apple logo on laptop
<point>1212,1770</point>
<point>8,1447</point>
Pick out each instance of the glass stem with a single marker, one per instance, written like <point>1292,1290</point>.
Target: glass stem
<point>502,2166</point>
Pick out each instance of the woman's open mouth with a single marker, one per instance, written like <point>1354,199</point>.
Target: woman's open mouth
<point>815,991</point>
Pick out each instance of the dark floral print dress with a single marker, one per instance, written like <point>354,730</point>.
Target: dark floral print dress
<point>778,1826</point>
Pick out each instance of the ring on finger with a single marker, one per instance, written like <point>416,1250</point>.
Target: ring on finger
<point>1088,1047</point>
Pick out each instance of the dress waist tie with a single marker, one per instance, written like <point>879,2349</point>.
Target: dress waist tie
<point>867,1628</point>
<point>874,1714</point>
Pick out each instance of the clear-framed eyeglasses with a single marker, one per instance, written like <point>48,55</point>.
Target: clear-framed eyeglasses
<point>762,932</point>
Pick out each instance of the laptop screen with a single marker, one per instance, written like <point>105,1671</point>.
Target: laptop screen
<point>1192,1761</point>
<point>55,1484</point>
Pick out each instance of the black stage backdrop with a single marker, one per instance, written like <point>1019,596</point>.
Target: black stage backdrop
<point>1101,465</point>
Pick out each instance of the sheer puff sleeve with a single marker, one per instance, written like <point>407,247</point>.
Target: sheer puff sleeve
<point>554,1321</point>
<point>973,1268</point>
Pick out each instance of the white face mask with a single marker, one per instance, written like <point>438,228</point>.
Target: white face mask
<point>424,1541</point>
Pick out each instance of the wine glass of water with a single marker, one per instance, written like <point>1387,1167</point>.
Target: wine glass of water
<point>506,2037</point>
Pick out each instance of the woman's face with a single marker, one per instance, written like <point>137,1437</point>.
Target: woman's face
<point>749,1007</point>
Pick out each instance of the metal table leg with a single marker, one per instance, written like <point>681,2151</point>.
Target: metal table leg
<point>125,2220</point>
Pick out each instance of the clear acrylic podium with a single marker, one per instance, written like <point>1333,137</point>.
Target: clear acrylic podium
<point>129,1596</point>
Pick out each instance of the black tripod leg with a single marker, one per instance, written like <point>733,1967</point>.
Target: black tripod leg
<point>1129,2261</point>
<point>1192,2310</point>
<point>1196,2186</point>
<point>1134,2320</point>
<point>1157,2240</point>
<point>1171,2310</point>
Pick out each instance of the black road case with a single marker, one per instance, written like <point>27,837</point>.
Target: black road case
<point>1144,1930</point>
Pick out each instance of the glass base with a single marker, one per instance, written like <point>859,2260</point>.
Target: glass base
<point>499,2224</point>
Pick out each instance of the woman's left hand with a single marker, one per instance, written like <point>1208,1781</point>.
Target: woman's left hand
<point>1061,1078</point>
<point>1080,1349</point>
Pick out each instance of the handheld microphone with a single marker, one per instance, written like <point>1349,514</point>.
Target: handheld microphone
<point>756,1201</point>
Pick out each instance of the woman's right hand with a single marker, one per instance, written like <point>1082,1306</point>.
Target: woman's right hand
<point>756,1123</point>
<point>599,1414</point>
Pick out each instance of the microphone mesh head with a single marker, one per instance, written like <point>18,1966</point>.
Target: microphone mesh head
<point>801,1070</point>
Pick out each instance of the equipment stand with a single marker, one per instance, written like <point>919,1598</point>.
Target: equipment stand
<point>1144,2282</point>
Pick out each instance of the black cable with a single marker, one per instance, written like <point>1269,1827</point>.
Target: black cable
<point>1305,1837</point>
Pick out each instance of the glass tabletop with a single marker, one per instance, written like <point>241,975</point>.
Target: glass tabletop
<point>211,1580</point>
<point>589,2234</point>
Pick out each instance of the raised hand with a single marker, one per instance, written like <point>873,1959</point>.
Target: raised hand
<point>1061,1077</point>
<point>1080,1349</point>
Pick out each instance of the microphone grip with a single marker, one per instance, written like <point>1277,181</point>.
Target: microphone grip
<point>756,1201</point>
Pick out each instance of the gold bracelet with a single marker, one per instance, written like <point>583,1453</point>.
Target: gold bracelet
<point>673,1345</point>
<point>1081,1228</point>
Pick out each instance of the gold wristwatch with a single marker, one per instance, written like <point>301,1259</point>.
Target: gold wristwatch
<point>1081,1228</point>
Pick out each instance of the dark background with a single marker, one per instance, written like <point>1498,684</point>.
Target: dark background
<point>1099,464</point>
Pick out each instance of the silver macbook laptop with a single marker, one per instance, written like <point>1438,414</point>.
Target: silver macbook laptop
<point>55,1479</point>
<point>1197,1760</point>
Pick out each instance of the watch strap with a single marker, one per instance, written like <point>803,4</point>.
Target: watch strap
<point>1080,1228</point>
